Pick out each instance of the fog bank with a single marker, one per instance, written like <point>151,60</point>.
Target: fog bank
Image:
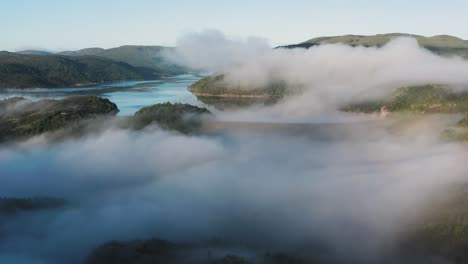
<point>330,74</point>
<point>265,191</point>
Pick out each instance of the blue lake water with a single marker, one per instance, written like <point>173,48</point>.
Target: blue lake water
<point>130,96</point>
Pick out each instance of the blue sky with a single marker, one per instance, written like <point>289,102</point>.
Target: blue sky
<point>75,24</point>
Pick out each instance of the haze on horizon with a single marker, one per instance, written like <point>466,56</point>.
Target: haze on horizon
<point>70,25</point>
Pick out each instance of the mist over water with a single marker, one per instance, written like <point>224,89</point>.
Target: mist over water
<point>265,191</point>
<point>340,187</point>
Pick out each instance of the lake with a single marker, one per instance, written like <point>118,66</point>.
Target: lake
<point>130,96</point>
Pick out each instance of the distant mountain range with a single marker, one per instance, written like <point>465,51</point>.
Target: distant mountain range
<point>138,56</point>
<point>35,52</point>
<point>35,68</point>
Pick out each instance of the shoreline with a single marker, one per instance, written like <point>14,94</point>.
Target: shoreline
<point>228,95</point>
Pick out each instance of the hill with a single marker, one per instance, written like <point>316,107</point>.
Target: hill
<point>441,44</point>
<point>33,71</point>
<point>215,90</point>
<point>184,118</point>
<point>138,56</point>
<point>34,52</point>
<point>442,228</point>
<point>216,86</point>
<point>82,52</point>
<point>423,99</point>
<point>21,118</point>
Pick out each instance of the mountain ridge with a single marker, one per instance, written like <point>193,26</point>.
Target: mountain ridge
<point>444,45</point>
<point>216,86</point>
<point>135,55</point>
<point>37,71</point>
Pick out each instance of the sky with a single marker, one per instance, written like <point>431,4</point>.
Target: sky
<point>74,24</point>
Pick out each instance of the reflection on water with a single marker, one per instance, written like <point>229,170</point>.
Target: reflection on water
<point>130,96</point>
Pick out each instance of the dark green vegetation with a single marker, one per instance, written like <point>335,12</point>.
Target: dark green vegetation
<point>33,71</point>
<point>459,131</point>
<point>215,90</point>
<point>417,99</point>
<point>463,122</point>
<point>34,52</point>
<point>230,259</point>
<point>443,227</point>
<point>151,57</point>
<point>20,118</point>
<point>74,116</point>
<point>82,52</point>
<point>184,118</point>
<point>138,252</point>
<point>12,206</point>
<point>232,103</point>
<point>442,44</point>
<point>438,230</point>
<point>426,99</point>
<point>163,251</point>
<point>217,85</point>
<point>37,69</point>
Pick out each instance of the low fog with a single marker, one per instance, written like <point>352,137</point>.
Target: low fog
<point>330,74</point>
<point>262,191</point>
<point>347,199</point>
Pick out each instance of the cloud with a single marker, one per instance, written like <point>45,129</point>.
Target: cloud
<point>330,74</point>
<point>265,190</point>
<point>213,51</point>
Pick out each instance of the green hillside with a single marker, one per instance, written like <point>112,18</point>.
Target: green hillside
<point>184,118</point>
<point>416,99</point>
<point>34,52</point>
<point>216,91</point>
<point>442,229</point>
<point>441,41</point>
<point>32,71</point>
<point>20,118</point>
<point>426,99</point>
<point>138,56</point>
<point>82,52</point>
<point>441,44</point>
<point>217,86</point>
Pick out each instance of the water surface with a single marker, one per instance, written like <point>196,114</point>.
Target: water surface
<point>130,96</point>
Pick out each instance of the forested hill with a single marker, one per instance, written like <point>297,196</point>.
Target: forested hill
<point>138,56</point>
<point>35,68</point>
<point>440,44</point>
<point>50,71</point>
